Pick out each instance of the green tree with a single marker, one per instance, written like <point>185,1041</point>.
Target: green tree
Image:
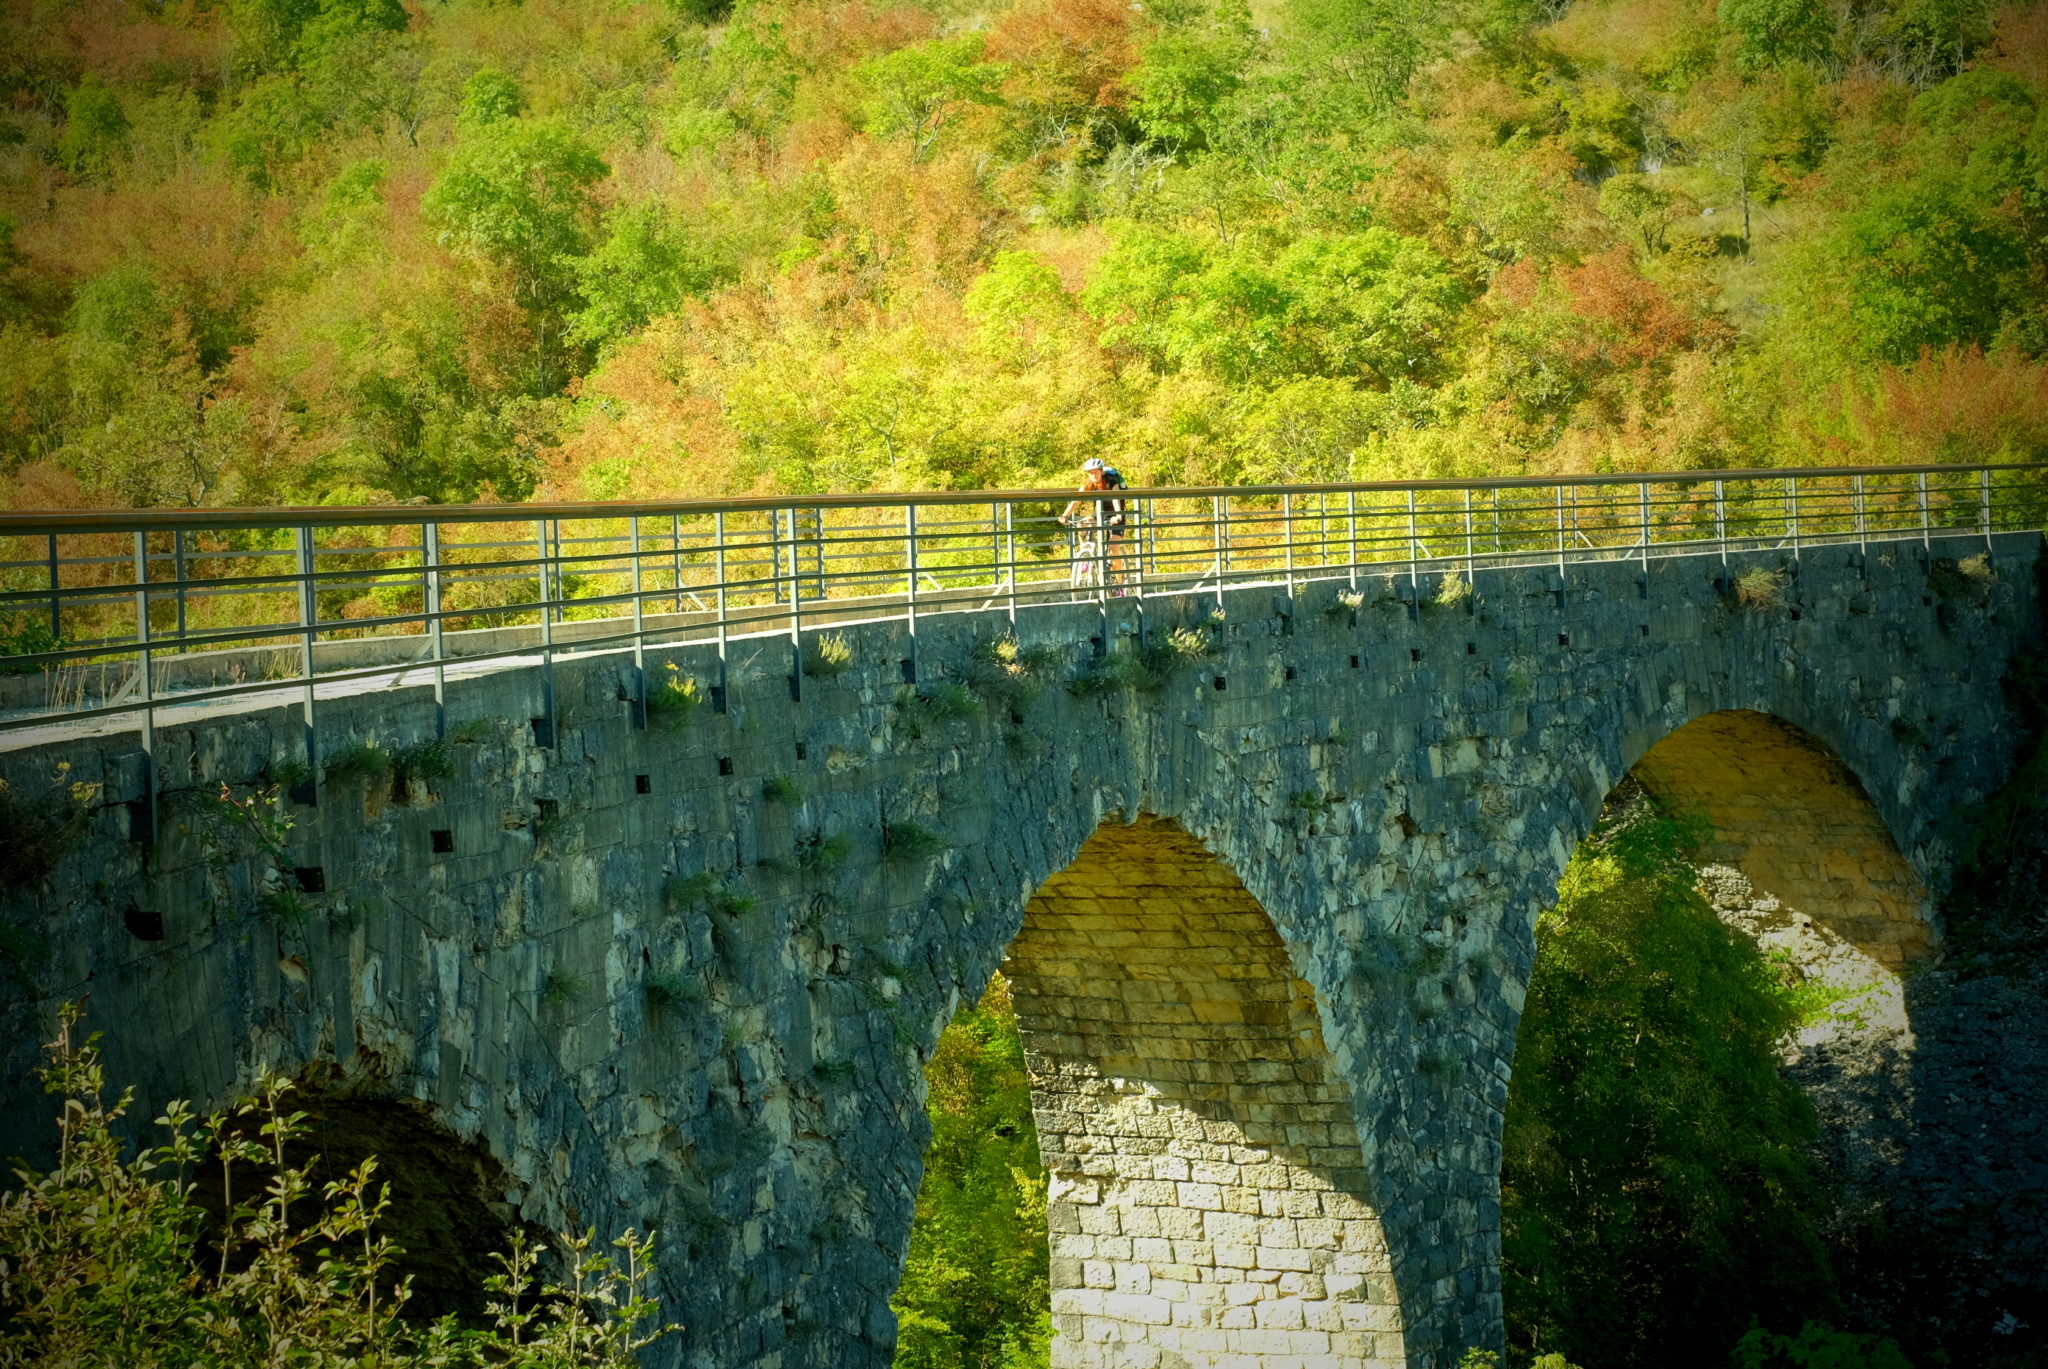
<point>95,130</point>
<point>1655,1172</point>
<point>915,92</point>
<point>1775,32</point>
<point>517,194</point>
<point>974,1293</point>
<point>646,266</point>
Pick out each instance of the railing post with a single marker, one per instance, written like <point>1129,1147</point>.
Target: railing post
<point>675,547</point>
<point>1470,572</point>
<point>1220,530</point>
<point>1643,514</point>
<point>718,553</point>
<point>56,594</point>
<point>1287,537</point>
<point>1984,503</point>
<point>1926,533</point>
<point>796,618</point>
<point>1351,518</point>
<point>1010,558</point>
<point>309,616</point>
<point>1862,526</point>
<point>1412,545</point>
<point>1560,534</point>
<point>547,632</point>
<point>639,629</point>
<point>178,572</point>
<point>1792,510</point>
<point>430,599</point>
<point>910,599</point>
<point>1721,519</point>
<point>146,669</point>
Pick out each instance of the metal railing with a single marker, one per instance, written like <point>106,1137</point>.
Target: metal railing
<point>124,614</point>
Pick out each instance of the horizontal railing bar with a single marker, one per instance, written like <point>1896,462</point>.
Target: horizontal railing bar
<point>137,520</point>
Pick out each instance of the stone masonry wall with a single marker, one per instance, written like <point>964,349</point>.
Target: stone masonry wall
<point>1208,1201</point>
<point>1795,820</point>
<point>687,978</point>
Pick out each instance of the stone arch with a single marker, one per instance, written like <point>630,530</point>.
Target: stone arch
<point>1796,821</point>
<point>1208,1203</point>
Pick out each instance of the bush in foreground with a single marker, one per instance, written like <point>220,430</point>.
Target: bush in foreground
<point>102,1260</point>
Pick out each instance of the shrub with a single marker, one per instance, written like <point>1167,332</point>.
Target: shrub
<point>427,760</point>
<point>101,1259</point>
<point>672,699</point>
<point>705,892</point>
<point>25,634</point>
<point>827,655</point>
<point>781,789</point>
<point>1344,603</point>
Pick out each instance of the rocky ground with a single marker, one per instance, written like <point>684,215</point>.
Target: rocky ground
<point>1932,1093</point>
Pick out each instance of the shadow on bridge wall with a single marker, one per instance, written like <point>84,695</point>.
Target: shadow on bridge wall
<point>1208,1199</point>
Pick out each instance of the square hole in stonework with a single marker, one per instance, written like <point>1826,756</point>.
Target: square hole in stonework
<point>1564,639</point>
<point>1414,655</point>
<point>312,878</point>
<point>1643,628</point>
<point>643,784</point>
<point>443,840</point>
<point>725,765</point>
<point>1221,683</point>
<point>802,751</point>
<point>1471,648</point>
<point>1290,673</point>
<point>1354,663</point>
<point>1926,601</point>
<point>144,925</point>
<point>1795,615</point>
<point>909,672</point>
<point>547,808</point>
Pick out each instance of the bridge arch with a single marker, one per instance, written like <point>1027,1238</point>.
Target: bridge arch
<point>1791,817</point>
<point>1208,1201</point>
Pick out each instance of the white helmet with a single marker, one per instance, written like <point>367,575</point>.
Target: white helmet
<point>1093,463</point>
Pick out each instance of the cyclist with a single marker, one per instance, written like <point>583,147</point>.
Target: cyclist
<point>1101,522</point>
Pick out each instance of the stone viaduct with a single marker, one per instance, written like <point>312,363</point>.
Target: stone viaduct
<point>1267,898</point>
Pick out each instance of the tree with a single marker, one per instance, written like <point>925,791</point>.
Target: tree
<point>915,92</point>
<point>1776,32</point>
<point>95,130</point>
<point>1639,203</point>
<point>517,194</point>
<point>1655,1172</point>
<point>646,266</point>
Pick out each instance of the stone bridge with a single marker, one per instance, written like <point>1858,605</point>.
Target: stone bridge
<point>1263,863</point>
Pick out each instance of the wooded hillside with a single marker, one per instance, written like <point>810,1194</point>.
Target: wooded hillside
<point>358,251</point>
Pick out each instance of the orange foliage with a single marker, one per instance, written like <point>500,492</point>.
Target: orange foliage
<point>1959,404</point>
<point>1637,322</point>
<point>2021,44</point>
<point>1066,54</point>
<point>823,37</point>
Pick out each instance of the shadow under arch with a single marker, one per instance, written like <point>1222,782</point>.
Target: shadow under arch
<point>1792,818</point>
<point>1208,1201</point>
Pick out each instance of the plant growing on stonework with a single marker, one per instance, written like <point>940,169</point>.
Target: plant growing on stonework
<point>819,854</point>
<point>827,655</point>
<point>1454,592</point>
<point>1344,603</point>
<point>911,841</point>
<point>1004,671</point>
<point>672,698</point>
<point>1760,590</point>
<point>364,764</point>
<point>920,712</point>
<point>781,789</point>
<point>427,760</point>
